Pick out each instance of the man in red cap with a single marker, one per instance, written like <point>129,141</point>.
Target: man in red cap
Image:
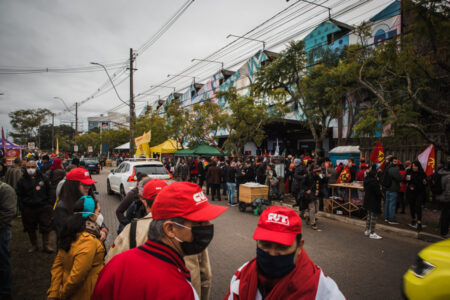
<point>281,268</point>
<point>156,270</point>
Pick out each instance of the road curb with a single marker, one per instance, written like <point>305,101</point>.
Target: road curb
<point>402,232</point>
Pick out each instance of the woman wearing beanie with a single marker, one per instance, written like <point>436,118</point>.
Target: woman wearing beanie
<point>372,202</point>
<point>80,253</point>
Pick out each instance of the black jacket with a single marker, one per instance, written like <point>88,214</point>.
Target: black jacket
<point>249,174</point>
<point>261,173</point>
<point>372,195</point>
<point>229,174</point>
<point>33,192</point>
<point>239,177</point>
<point>299,177</point>
<point>415,184</point>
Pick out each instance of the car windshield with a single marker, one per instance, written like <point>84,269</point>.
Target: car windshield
<point>91,162</point>
<point>151,169</point>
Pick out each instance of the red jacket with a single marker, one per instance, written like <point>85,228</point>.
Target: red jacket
<point>360,174</point>
<point>151,271</point>
<point>403,184</point>
<point>305,282</point>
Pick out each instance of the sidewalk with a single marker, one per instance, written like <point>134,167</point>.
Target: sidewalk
<point>430,219</point>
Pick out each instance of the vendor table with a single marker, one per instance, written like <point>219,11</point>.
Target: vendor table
<point>347,204</point>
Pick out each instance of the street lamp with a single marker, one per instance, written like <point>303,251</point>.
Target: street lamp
<point>64,102</point>
<point>250,39</point>
<point>112,83</point>
<point>212,61</point>
<point>68,109</point>
<point>179,75</point>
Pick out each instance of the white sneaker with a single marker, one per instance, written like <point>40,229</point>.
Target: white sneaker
<point>375,236</point>
<point>367,232</point>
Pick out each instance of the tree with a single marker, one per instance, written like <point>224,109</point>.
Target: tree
<point>178,121</point>
<point>26,123</point>
<point>115,137</point>
<point>64,134</point>
<point>156,123</point>
<point>88,139</point>
<point>409,78</point>
<point>246,119</point>
<point>287,78</point>
<point>206,120</point>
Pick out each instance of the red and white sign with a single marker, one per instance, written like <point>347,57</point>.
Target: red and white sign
<point>11,155</point>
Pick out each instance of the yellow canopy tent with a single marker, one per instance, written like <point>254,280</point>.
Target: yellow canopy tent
<point>169,146</point>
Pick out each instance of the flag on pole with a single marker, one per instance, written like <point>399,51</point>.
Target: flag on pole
<point>377,155</point>
<point>428,160</point>
<point>3,140</point>
<point>57,147</point>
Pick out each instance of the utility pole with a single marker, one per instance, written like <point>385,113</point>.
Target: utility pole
<point>53,131</point>
<point>76,118</point>
<point>132,116</point>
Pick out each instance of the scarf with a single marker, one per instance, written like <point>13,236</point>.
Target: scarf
<point>301,283</point>
<point>93,228</point>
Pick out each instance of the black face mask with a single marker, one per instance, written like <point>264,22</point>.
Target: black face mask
<point>274,266</point>
<point>202,236</point>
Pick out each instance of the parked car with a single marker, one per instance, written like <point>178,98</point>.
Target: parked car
<point>92,165</point>
<point>429,277</point>
<point>123,178</point>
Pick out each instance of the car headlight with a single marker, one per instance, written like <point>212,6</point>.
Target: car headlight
<point>421,268</point>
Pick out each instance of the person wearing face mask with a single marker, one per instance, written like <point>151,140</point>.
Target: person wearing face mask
<point>78,183</point>
<point>80,253</point>
<point>33,193</point>
<point>281,268</point>
<point>156,270</point>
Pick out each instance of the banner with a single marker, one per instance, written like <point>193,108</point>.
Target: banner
<point>377,155</point>
<point>10,155</point>
<point>145,138</point>
<point>57,147</point>
<point>428,160</point>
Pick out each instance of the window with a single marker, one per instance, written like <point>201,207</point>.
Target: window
<point>151,169</point>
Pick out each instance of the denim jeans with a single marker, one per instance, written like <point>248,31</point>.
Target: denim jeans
<point>6,275</point>
<point>231,187</point>
<point>390,205</point>
<point>224,188</point>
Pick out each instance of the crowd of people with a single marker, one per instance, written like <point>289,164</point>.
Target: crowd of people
<point>164,230</point>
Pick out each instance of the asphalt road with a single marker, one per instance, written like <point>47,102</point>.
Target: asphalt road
<point>362,268</point>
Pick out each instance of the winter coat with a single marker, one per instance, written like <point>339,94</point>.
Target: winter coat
<point>372,195</point>
<point>402,183</point>
<point>75,273</point>
<point>129,198</point>
<point>198,264</point>
<point>13,174</point>
<point>445,182</point>
<point>415,182</point>
<point>54,176</point>
<point>230,175</point>
<point>299,178</point>
<point>261,173</point>
<point>182,172</point>
<point>8,205</point>
<point>33,191</point>
<point>213,175</point>
<point>396,178</point>
<point>249,174</point>
<point>332,175</point>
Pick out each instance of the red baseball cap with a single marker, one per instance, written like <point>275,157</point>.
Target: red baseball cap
<point>81,175</point>
<point>152,188</point>
<point>278,224</point>
<point>186,200</point>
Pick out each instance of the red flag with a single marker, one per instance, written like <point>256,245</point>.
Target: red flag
<point>345,176</point>
<point>428,160</point>
<point>377,155</point>
<point>3,141</point>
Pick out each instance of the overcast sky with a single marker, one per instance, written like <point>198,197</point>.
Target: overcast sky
<point>59,34</point>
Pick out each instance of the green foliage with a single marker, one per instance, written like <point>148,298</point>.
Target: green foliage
<point>115,137</point>
<point>63,133</point>
<point>26,123</point>
<point>178,121</point>
<point>246,118</point>
<point>88,139</point>
<point>156,123</point>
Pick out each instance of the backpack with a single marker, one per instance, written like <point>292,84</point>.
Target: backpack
<point>387,179</point>
<point>436,184</point>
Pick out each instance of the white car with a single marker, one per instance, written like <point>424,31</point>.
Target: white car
<point>123,179</point>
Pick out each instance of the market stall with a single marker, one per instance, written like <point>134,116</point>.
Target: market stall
<point>345,202</point>
<point>11,152</point>
<point>168,147</point>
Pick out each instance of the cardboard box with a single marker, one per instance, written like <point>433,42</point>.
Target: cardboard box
<point>249,193</point>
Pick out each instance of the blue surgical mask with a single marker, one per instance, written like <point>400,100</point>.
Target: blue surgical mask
<point>274,266</point>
